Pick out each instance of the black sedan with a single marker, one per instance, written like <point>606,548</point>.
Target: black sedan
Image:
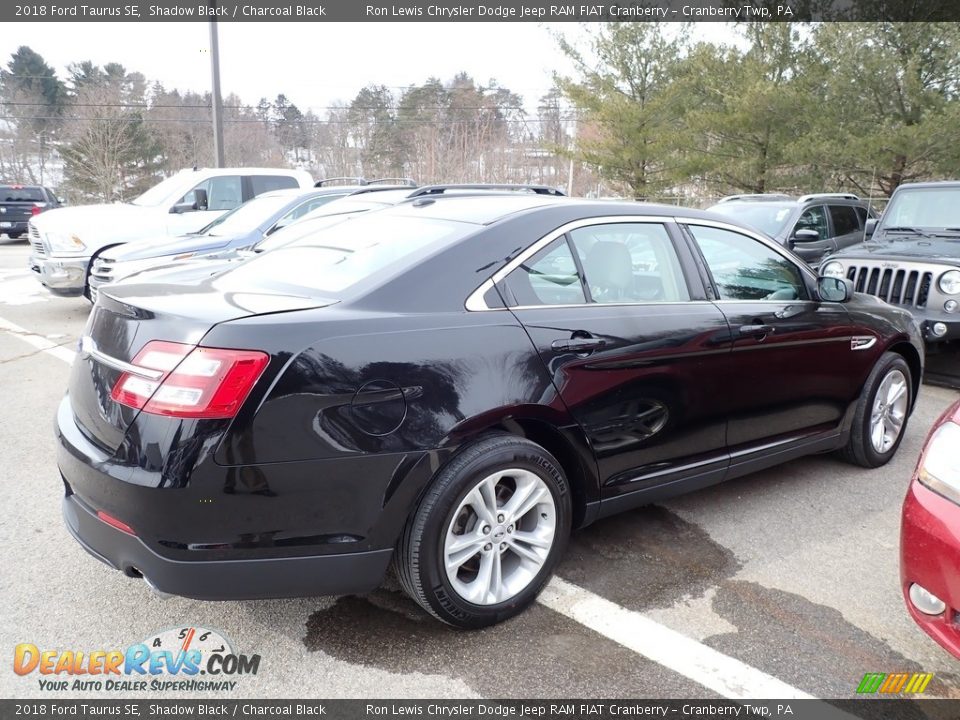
<point>452,385</point>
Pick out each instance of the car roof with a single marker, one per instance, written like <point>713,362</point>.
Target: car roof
<point>930,185</point>
<point>290,193</point>
<point>488,208</point>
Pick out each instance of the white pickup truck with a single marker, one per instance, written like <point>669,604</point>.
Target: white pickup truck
<point>65,241</point>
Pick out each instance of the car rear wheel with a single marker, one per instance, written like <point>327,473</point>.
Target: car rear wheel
<point>882,413</point>
<point>487,535</point>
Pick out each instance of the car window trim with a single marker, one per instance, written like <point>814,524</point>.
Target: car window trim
<point>587,296</point>
<point>476,303</point>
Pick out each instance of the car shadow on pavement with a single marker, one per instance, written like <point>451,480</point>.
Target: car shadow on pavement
<point>645,559</point>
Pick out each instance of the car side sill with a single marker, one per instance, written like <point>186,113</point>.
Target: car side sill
<point>742,463</point>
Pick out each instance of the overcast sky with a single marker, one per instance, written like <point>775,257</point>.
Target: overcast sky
<point>314,64</point>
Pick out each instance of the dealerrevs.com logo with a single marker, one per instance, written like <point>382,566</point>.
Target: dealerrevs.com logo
<point>179,659</point>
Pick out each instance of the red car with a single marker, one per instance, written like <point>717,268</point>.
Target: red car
<point>930,535</point>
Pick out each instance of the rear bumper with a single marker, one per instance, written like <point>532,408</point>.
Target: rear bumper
<point>16,227</point>
<point>219,537</point>
<point>930,557</point>
<point>224,579</point>
<point>64,276</point>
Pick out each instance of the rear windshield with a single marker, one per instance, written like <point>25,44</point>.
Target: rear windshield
<point>766,216</point>
<point>9,193</point>
<point>340,256</point>
<point>920,207</point>
<point>302,228</point>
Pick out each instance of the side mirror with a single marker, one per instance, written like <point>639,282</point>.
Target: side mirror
<point>806,235</point>
<point>199,203</point>
<point>870,226</point>
<point>834,289</point>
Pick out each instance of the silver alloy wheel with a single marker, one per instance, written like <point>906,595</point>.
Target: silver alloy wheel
<point>500,536</point>
<point>889,411</point>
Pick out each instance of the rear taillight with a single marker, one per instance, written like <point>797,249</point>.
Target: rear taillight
<point>189,382</point>
<point>35,210</point>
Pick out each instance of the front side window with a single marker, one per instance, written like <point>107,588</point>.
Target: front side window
<point>630,263</point>
<point>814,218</point>
<point>550,277</point>
<point>844,219</point>
<point>223,192</point>
<point>746,269</point>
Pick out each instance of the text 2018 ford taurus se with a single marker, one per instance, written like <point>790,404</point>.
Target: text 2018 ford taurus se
<point>453,384</point>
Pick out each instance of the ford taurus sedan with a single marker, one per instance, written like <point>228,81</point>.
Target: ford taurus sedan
<point>451,385</point>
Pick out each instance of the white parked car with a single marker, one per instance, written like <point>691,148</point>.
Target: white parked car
<point>65,241</point>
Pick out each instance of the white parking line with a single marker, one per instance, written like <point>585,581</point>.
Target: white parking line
<point>38,341</point>
<point>721,673</point>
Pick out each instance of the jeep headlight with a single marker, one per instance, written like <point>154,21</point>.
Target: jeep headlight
<point>950,282</point>
<point>832,269</point>
<point>940,468</point>
<point>67,244</point>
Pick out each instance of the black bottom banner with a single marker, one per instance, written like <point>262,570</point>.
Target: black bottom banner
<point>482,709</point>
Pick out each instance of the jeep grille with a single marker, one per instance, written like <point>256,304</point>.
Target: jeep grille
<point>897,286</point>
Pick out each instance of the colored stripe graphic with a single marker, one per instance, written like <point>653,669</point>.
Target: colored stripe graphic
<point>871,682</point>
<point>892,683</point>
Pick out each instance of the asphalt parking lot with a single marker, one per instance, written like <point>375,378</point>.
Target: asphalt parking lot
<point>782,582</point>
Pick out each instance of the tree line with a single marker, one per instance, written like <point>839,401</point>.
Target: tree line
<point>797,108</point>
<point>650,113</point>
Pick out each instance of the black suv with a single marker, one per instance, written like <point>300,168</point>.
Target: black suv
<point>813,226</point>
<point>912,257</point>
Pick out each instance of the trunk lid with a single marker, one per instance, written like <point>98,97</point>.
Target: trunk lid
<point>127,317</point>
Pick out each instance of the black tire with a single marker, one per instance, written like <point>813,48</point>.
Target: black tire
<point>418,561</point>
<point>859,449</point>
<point>14,236</point>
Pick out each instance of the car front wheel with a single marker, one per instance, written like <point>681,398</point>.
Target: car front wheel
<point>882,413</point>
<point>487,535</point>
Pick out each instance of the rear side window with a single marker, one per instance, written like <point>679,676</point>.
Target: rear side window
<point>630,263</point>
<point>10,193</point>
<point>265,183</point>
<point>844,219</point>
<point>550,277</point>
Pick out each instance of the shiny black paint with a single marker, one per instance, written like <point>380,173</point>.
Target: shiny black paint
<point>366,396</point>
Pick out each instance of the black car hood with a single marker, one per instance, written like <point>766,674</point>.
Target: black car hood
<point>932,249</point>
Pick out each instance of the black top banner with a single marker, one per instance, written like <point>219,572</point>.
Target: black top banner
<point>474,11</point>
